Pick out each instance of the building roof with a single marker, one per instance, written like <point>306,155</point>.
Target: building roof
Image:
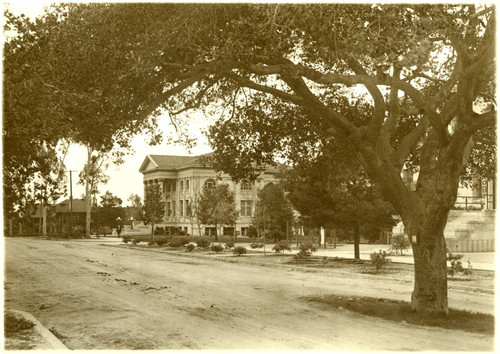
<point>173,162</point>
<point>79,206</point>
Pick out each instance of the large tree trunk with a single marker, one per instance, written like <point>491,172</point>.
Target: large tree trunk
<point>430,293</point>
<point>424,208</point>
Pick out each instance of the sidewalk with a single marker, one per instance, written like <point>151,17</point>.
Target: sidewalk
<point>479,260</point>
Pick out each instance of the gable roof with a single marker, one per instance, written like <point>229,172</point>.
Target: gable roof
<point>79,206</point>
<point>173,162</point>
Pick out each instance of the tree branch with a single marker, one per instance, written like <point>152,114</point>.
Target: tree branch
<point>378,99</point>
<point>409,142</point>
<point>335,119</point>
<point>485,120</point>
<point>263,88</point>
<point>155,103</point>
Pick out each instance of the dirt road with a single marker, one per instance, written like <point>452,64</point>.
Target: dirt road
<point>101,297</point>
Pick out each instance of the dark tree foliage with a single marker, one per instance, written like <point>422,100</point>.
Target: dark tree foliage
<point>104,217</point>
<point>216,207</point>
<point>97,73</point>
<point>273,212</point>
<point>154,207</point>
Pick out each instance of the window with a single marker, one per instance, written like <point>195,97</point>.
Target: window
<point>187,184</point>
<point>169,211</point>
<point>209,231</point>
<point>173,208</point>
<point>181,207</point>
<point>246,185</point>
<point>246,208</point>
<point>189,212</point>
<point>210,183</point>
<point>244,231</point>
<point>181,187</point>
<point>174,184</point>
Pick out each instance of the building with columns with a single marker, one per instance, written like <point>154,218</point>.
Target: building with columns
<point>181,180</point>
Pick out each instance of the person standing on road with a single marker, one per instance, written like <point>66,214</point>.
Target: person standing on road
<point>119,225</point>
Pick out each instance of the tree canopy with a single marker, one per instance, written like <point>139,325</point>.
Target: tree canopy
<point>216,206</point>
<point>154,207</point>
<point>427,72</point>
<point>273,211</point>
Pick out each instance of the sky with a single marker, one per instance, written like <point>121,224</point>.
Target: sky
<point>124,179</point>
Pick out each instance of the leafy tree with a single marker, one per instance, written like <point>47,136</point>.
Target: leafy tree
<point>105,216</point>
<point>96,170</point>
<point>193,204</point>
<point>135,204</point>
<point>427,71</point>
<point>217,207</point>
<point>154,207</point>
<point>272,211</point>
<point>333,191</point>
<point>108,200</point>
<point>400,243</point>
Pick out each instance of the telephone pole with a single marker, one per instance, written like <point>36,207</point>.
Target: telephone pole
<point>71,201</point>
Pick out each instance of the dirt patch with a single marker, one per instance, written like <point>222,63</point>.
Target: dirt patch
<point>156,299</point>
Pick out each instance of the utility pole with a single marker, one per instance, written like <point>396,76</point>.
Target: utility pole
<point>71,201</point>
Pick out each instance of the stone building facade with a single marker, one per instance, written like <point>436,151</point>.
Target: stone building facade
<point>181,180</point>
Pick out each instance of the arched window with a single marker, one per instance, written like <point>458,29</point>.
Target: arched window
<point>210,183</point>
<point>187,184</point>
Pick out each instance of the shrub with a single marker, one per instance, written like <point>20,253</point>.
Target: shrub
<point>379,259</point>
<point>78,231</point>
<point>135,242</point>
<point>159,230</point>
<point>399,242</point>
<point>256,245</point>
<point>126,239</point>
<point>182,233</point>
<point>252,232</point>
<point>282,246</point>
<point>190,247</point>
<point>203,243</point>
<point>217,248</point>
<point>177,243</point>
<point>276,235</point>
<point>161,241</point>
<point>306,250</point>
<point>240,250</point>
<point>229,244</point>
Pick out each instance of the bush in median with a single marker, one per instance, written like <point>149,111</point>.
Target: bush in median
<point>282,246</point>
<point>239,251</point>
<point>217,248</point>
<point>379,259</point>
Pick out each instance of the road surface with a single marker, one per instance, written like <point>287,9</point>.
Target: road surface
<point>99,296</point>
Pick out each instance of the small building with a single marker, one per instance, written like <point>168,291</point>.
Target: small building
<point>59,215</point>
<point>181,180</point>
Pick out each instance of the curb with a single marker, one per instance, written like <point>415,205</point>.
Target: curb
<point>43,331</point>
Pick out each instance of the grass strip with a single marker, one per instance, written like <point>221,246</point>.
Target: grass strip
<point>398,311</point>
<point>14,324</point>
